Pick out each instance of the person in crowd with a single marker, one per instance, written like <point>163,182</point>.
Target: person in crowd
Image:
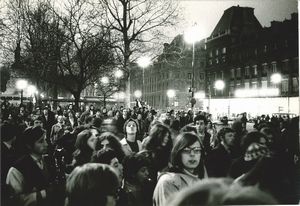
<point>208,192</point>
<point>92,184</point>
<point>109,140</point>
<point>240,130</point>
<point>189,118</point>
<point>159,143</point>
<point>38,121</point>
<point>186,169</point>
<point>57,130</point>
<point>71,120</point>
<point>9,155</point>
<point>137,180</point>
<point>84,114</point>
<point>211,129</point>
<point>174,128</point>
<point>84,147</point>
<point>200,122</point>
<point>219,160</point>
<point>48,121</point>
<point>130,143</point>
<point>30,178</point>
<point>271,176</point>
<point>141,123</point>
<point>149,118</point>
<point>59,110</point>
<point>119,121</point>
<point>240,165</point>
<point>109,157</point>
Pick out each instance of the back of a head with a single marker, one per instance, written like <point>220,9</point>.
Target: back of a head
<point>8,131</point>
<point>206,192</point>
<point>91,184</point>
<point>248,196</point>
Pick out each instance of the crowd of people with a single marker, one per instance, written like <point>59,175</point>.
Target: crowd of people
<point>139,156</point>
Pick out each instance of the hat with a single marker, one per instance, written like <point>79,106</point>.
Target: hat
<point>256,151</point>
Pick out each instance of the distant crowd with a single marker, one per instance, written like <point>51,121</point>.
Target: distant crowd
<point>140,156</point>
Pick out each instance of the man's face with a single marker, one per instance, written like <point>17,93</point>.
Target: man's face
<point>38,123</point>
<point>200,125</point>
<point>45,111</point>
<point>40,146</point>
<point>229,139</point>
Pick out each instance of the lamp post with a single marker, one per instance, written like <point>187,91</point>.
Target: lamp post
<point>21,85</point>
<point>219,85</point>
<point>191,36</point>
<point>144,62</point>
<point>171,93</point>
<point>276,79</point>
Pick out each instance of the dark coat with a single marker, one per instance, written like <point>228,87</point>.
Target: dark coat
<point>218,162</point>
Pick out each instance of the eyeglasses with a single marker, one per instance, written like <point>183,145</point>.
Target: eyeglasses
<point>196,150</point>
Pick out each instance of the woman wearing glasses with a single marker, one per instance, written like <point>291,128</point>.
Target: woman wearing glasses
<point>187,168</point>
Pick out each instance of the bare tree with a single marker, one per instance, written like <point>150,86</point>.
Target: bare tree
<point>137,26</point>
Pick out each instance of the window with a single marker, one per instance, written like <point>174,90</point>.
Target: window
<point>265,48</point>
<point>285,65</point>
<point>210,62</point>
<point>189,76</point>
<point>274,67</point>
<point>222,75</point>
<point>247,84</point>
<point>255,52</point>
<point>247,71</point>
<point>255,70</point>
<point>254,84</point>
<point>232,73</point>
<point>238,72</point>
<point>295,84</point>
<point>201,76</point>
<point>217,52</point>
<point>264,83</point>
<point>210,54</point>
<point>264,69</point>
<point>224,50</point>
<point>285,85</point>
<point>217,61</point>
<point>286,43</point>
<point>224,59</point>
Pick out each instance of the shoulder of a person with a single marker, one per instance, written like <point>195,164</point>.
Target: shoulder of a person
<point>123,141</point>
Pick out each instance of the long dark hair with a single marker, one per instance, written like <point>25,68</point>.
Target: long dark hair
<point>114,144</point>
<point>83,152</point>
<point>184,140</point>
<point>137,126</point>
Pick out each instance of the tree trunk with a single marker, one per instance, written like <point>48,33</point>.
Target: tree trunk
<point>77,99</point>
<point>55,95</point>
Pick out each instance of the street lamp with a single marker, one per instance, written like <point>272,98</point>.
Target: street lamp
<point>32,90</point>
<point>171,93</point>
<point>104,80</point>
<point>276,78</point>
<point>219,84</point>
<point>118,74</point>
<point>21,85</point>
<point>191,36</point>
<point>138,94</point>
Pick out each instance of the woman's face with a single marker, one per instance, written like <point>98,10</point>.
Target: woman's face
<point>92,140</point>
<point>104,144</point>
<point>165,140</point>
<point>131,128</point>
<point>190,156</point>
<point>142,175</point>
<point>118,167</point>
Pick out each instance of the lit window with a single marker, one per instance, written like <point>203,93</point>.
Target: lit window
<point>217,61</point>
<point>247,71</point>
<point>274,67</point>
<point>210,54</point>
<point>210,62</point>
<point>238,72</point>
<point>232,73</point>
<point>265,48</point>
<point>224,50</point>
<point>295,84</point>
<point>217,52</point>
<point>254,70</point>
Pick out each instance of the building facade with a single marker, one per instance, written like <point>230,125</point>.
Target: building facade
<point>240,52</point>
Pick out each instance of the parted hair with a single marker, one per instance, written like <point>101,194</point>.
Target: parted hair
<point>90,184</point>
<point>184,140</point>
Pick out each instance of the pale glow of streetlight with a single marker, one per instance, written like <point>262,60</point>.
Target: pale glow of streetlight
<point>144,61</point>
<point>137,93</point>
<point>118,73</point>
<point>276,78</point>
<point>21,84</point>
<point>31,89</point>
<point>105,80</point>
<point>219,84</point>
<point>171,93</point>
<point>193,34</point>
<point>199,95</point>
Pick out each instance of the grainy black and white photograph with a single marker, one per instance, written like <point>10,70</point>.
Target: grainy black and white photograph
<point>149,102</point>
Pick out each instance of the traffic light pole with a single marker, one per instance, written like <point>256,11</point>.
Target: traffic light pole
<point>193,78</point>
